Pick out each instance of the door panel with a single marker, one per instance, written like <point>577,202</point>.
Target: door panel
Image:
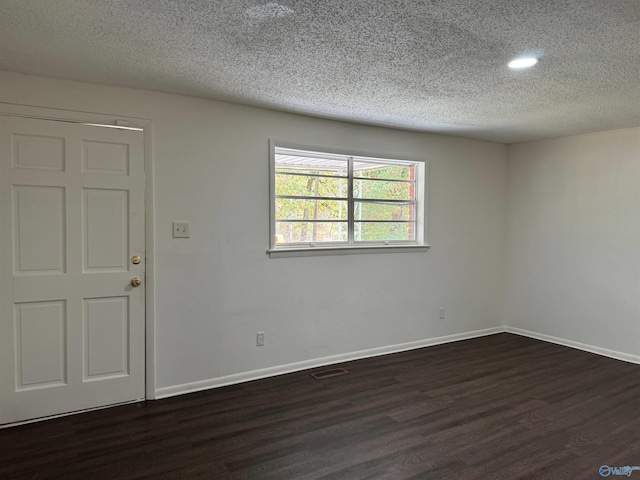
<point>38,152</point>
<point>106,230</point>
<point>102,157</point>
<point>36,211</point>
<point>41,344</point>
<point>72,216</point>
<point>106,323</point>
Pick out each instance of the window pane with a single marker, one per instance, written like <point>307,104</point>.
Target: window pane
<point>311,186</point>
<point>300,209</point>
<point>307,232</point>
<point>376,204</point>
<point>383,211</point>
<point>311,165</point>
<point>370,232</point>
<point>382,190</point>
<point>380,170</point>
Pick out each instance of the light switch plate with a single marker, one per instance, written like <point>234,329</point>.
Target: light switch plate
<point>181,230</point>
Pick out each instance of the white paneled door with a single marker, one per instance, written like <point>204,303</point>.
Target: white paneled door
<point>71,225</point>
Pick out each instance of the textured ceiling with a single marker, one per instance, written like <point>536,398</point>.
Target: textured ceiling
<point>436,65</point>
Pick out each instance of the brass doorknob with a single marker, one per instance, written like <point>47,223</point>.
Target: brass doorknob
<point>135,282</point>
<point>136,259</point>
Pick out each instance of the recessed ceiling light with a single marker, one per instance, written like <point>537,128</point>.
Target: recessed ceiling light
<point>523,62</point>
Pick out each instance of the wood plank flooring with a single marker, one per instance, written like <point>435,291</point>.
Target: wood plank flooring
<point>497,407</point>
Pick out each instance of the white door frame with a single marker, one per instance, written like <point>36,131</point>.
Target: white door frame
<point>144,123</point>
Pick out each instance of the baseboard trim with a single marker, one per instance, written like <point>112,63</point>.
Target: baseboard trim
<point>172,391</point>
<point>625,357</point>
<point>175,390</point>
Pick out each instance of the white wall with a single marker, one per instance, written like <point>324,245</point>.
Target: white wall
<point>215,290</point>
<point>573,251</point>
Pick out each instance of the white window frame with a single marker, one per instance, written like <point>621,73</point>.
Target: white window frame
<point>334,248</point>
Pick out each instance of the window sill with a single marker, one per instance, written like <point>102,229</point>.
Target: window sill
<point>357,250</point>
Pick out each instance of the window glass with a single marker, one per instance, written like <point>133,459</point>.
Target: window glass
<point>332,199</point>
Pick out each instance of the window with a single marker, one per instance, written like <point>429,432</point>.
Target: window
<point>330,202</point>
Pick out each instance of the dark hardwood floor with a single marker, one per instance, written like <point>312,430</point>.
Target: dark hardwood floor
<point>497,407</point>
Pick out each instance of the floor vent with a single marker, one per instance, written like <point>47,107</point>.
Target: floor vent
<point>334,372</point>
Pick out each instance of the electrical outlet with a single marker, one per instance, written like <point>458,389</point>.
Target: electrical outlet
<point>260,339</point>
<point>442,313</point>
<point>181,230</point>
